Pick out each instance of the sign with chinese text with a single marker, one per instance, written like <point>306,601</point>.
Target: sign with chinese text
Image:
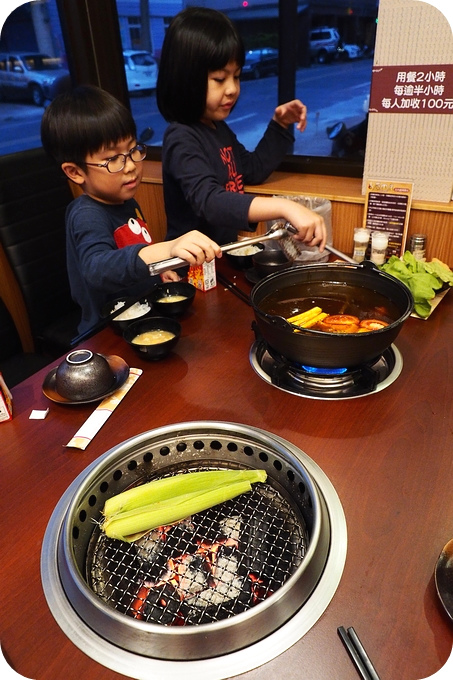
<point>387,206</point>
<point>412,89</point>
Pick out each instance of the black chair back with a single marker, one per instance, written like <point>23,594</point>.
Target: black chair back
<point>34,194</point>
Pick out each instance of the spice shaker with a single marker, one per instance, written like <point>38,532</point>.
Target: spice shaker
<point>361,239</point>
<point>417,246</point>
<point>379,243</point>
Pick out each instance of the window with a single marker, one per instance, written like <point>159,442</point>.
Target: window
<point>316,51</point>
<point>134,31</point>
<point>331,74</point>
<point>33,70</point>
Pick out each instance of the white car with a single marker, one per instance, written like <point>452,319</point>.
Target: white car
<point>33,76</point>
<point>141,71</point>
<point>349,51</point>
<point>323,45</point>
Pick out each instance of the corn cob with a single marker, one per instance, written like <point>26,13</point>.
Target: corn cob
<point>129,526</point>
<point>313,321</point>
<point>169,487</point>
<point>299,319</point>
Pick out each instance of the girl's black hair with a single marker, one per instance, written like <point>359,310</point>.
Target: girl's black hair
<point>198,40</point>
<point>81,122</point>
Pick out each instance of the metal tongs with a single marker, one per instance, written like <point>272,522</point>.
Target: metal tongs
<point>275,232</point>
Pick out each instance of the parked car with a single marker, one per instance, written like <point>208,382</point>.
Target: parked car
<point>32,76</point>
<point>323,45</point>
<point>260,62</point>
<point>141,71</point>
<point>348,51</point>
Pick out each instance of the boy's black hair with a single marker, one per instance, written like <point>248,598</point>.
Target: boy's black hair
<point>198,40</point>
<point>81,122</point>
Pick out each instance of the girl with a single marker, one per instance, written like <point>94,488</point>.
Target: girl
<point>204,165</point>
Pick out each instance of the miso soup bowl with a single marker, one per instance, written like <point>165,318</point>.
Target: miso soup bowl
<point>165,298</point>
<point>84,375</point>
<point>157,350</point>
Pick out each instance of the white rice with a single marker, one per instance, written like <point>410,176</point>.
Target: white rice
<point>246,250</point>
<point>139,309</point>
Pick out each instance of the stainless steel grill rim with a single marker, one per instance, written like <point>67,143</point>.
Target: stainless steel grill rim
<point>90,610</point>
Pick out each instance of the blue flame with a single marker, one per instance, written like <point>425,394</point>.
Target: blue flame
<point>324,371</point>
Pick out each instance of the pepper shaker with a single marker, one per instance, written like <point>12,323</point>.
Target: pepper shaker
<point>417,246</point>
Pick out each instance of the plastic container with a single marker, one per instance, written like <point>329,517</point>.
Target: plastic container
<point>319,205</point>
<point>361,240</point>
<point>379,243</point>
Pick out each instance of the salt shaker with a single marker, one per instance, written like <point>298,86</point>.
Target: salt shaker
<point>379,243</point>
<point>417,246</point>
<point>361,239</point>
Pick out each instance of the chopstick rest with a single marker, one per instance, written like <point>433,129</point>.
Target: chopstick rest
<point>96,420</point>
<point>357,653</point>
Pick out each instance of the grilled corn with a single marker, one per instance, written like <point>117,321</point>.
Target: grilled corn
<point>136,511</point>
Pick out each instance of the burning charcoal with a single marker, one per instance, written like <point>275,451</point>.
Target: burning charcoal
<point>268,547</point>
<point>193,575</point>
<point>113,585</point>
<point>179,537</point>
<point>150,545</point>
<point>227,588</point>
<point>230,527</point>
<point>161,605</point>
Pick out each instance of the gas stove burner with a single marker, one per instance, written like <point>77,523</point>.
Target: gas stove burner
<point>325,383</point>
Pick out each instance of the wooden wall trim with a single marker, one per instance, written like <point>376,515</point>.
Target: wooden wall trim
<point>432,218</point>
<point>11,295</point>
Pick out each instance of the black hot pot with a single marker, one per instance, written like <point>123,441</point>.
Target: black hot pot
<point>362,286</point>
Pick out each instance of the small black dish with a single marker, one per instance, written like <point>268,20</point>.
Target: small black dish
<point>139,310</point>
<point>239,260</point>
<point>253,276</point>
<point>159,350</point>
<point>173,298</point>
<point>269,261</point>
<point>86,389</point>
<point>443,577</point>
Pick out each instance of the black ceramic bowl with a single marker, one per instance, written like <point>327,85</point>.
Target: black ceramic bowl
<point>159,350</point>
<point>83,375</point>
<point>138,310</point>
<point>172,298</point>
<point>240,260</point>
<point>270,261</point>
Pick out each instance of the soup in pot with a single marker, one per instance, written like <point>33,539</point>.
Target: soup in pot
<point>339,299</point>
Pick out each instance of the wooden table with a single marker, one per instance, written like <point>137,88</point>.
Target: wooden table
<point>389,456</point>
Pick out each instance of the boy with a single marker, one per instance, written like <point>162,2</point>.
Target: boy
<point>92,136</point>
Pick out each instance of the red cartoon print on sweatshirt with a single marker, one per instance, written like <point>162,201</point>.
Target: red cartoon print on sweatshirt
<point>235,182</point>
<point>135,231</point>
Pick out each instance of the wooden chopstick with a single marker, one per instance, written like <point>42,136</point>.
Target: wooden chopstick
<point>233,288</point>
<point>357,653</point>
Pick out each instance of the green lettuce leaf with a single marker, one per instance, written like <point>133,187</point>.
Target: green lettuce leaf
<point>423,279</point>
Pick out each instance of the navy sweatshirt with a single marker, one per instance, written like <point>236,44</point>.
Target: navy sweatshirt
<point>102,246</point>
<point>204,171</point>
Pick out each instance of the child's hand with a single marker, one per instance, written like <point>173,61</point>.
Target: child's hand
<point>310,225</point>
<point>167,277</point>
<point>292,112</point>
<point>195,248</point>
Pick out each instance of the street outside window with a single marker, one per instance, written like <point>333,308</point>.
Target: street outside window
<point>334,54</point>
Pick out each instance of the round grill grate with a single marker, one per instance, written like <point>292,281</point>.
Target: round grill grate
<point>210,567</point>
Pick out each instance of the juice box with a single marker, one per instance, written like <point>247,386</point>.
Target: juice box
<point>6,401</point>
<point>203,276</point>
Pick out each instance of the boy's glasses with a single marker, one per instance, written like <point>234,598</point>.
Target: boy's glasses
<point>117,163</point>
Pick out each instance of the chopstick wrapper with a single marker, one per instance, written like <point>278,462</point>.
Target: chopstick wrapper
<point>105,409</point>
